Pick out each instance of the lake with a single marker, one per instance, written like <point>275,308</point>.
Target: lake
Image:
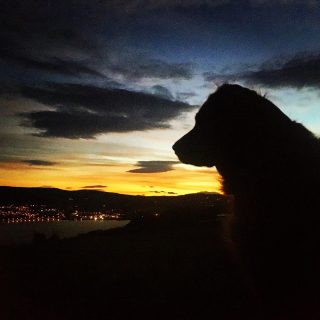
<point>22,233</point>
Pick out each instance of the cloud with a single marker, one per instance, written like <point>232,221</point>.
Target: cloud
<point>302,70</point>
<point>39,162</point>
<point>51,65</point>
<point>47,40</point>
<point>52,54</point>
<point>136,66</point>
<point>133,6</point>
<point>153,166</point>
<point>182,96</point>
<point>162,192</point>
<point>162,91</point>
<point>57,57</point>
<point>97,186</point>
<point>82,111</point>
<point>69,39</point>
<point>310,3</point>
<point>220,78</point>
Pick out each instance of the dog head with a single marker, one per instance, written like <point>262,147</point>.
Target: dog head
<point>231,126</point>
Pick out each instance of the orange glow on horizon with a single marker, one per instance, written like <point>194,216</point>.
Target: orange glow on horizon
<point>181,180</point>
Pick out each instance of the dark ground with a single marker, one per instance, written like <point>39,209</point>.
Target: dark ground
<point>149,270</point>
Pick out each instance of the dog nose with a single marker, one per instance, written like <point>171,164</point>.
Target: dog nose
<point>176,146</point>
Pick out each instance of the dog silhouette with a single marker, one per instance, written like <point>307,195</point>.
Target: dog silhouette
<point>271,165</point>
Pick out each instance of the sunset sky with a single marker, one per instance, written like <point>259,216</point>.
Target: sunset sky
<point>95,92</point>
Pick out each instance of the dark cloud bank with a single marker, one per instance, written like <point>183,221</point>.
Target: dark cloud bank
<point>55,53</point>
<point>81,111</point>
<point>39,163</point>
<point>153,166</point>
<point>51,64</point>
<point>303,70</point>
<point>68,38</point>
<point>49,57</point>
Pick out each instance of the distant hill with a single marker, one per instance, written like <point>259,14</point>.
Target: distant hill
<point>91,200</point>
<point>57,197</point>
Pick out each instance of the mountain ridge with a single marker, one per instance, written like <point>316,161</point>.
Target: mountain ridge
<point>90,200</point>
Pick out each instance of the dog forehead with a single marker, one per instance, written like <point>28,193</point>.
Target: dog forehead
<point>231,100</point>
<point>216,104</point>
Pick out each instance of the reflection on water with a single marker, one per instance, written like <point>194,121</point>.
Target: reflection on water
<point>19,233</point>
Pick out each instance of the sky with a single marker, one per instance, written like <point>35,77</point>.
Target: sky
<point>94,93</point>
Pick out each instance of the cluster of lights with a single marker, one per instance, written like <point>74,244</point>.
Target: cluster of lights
<point>29,213</point>
<point>20,220</point>
<point>40,213</point>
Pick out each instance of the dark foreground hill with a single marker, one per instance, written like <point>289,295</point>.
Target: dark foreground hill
<point>143,271</point>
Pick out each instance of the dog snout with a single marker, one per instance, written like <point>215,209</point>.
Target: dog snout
<point>191,149</point>
<point>185,147</point>
<point>181,146</point>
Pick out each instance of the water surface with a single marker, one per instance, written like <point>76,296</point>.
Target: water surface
<point>19,233</point>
